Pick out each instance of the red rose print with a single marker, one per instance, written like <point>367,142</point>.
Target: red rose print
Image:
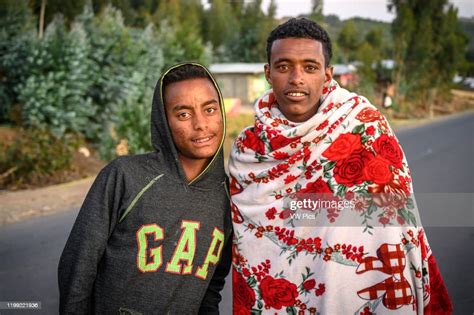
<point>321,289</point>
<point>244,296</point>
<point>318,186</point>
<point>280,141</point>
<point>289,179</point>
<point>280,155</point>
<point>388,147</point>
<point>285,214</point>
<point>252,141</point>
<point>370,130</point>
<point>350,171</point>
<point>271,213</point>
<point>384,220</point>
<point>240,310</point>
<point>378,171</point>
<point>323,125</point>
<point>277,293</point>
<point>368,115</point>
<point>309,284</point>
<point>343,146</point>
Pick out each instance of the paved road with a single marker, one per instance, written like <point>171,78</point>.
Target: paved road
<point>441,159</point>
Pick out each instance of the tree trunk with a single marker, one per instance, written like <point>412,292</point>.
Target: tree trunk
<point>41,21</point>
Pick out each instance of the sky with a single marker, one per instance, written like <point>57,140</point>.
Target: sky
<point>373,9</point>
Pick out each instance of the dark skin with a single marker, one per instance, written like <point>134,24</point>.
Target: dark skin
<point>195,120</point>
<point>297,74</point>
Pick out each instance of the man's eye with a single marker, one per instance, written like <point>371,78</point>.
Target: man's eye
<point>211,110</point>
<point>183,116</point>
<point>282,67</point>
<point>311,68</point>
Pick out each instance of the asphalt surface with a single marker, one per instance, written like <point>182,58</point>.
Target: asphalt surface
<point>440,156</point>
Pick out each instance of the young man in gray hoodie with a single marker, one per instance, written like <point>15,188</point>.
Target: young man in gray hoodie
<point>154,234</point>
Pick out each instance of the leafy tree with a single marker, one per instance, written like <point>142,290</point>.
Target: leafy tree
<point>59,79</point>
<point>255,26</point>
<point>179,24</point>
<point>68,9</point>
<point>316,13</point>
<point>348,40</point>
<point>17,34</point>
<point>221,26</point>
<point>429,49</point>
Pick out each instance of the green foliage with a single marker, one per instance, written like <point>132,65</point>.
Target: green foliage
<point>366,71</point>
<point>179,26</point>
<point>29,158</point>
<point>55,94</point>
<point>316,13</point>
<point>68,9</point>
<point>98,75</point>
<point>255,25</point>
<point>429,48</point>
<point>221,25</point>
<point>16,36</point>
<point>348,40</point>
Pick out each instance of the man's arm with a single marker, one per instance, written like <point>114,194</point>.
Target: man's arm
<point>212,298</point>
<point>86,244</point>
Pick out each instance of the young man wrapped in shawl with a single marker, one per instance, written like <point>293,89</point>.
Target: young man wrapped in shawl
<point>314,141</point>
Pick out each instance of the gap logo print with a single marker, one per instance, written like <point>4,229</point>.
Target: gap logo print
<point>150,259</point>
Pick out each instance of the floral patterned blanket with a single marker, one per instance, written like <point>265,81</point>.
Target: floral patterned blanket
<point>324,216</point>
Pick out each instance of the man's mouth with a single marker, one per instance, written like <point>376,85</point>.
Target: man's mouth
<point>296,94</point>
<point>203,140</point>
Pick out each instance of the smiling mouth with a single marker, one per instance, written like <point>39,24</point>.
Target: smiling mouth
<point>203,140</point>
<point>296,94</point>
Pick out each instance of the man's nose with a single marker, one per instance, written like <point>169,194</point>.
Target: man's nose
<point>200,121</point>
<point>296,77</point>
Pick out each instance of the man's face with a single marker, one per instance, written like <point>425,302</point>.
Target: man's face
<point>298,75</point>
<point>194,117</point>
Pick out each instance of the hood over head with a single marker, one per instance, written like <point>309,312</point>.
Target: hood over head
<point>162,139</point>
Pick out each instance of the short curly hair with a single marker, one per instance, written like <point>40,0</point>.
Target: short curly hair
<point>184,72</point>
<point>301,28</point>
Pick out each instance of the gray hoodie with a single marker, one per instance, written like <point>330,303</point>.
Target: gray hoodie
<point>140,215</point>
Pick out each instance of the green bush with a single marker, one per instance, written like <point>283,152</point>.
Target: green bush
<point>55,95</point>
<point>17,34</point>
<point>34,156</point>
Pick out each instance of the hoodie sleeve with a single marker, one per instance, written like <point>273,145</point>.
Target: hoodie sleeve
<point>86,244</point>
<point>212,298</point>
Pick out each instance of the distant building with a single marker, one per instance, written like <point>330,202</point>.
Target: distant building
<point>245,81</point>
<point>345,75</point>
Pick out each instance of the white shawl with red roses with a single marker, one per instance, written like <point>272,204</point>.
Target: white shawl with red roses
<point>371,257</point>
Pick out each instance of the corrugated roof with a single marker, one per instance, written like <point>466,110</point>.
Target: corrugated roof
<point>220,68</point>
<point>343,69</point>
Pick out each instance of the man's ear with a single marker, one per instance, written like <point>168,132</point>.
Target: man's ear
<point>267,73</point>
<point>328,75</point>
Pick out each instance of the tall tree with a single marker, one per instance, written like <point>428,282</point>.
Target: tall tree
<point>429,47</point>
<point>348,40</point>
<point>316,13</point>
<point>221,26</point>
<point>255,25</point>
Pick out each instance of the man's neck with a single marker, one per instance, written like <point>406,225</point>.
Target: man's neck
<point>193,167</point>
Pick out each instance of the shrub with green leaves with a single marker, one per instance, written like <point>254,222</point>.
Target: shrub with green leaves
<point>17,35</point>
<point>55,95</point>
